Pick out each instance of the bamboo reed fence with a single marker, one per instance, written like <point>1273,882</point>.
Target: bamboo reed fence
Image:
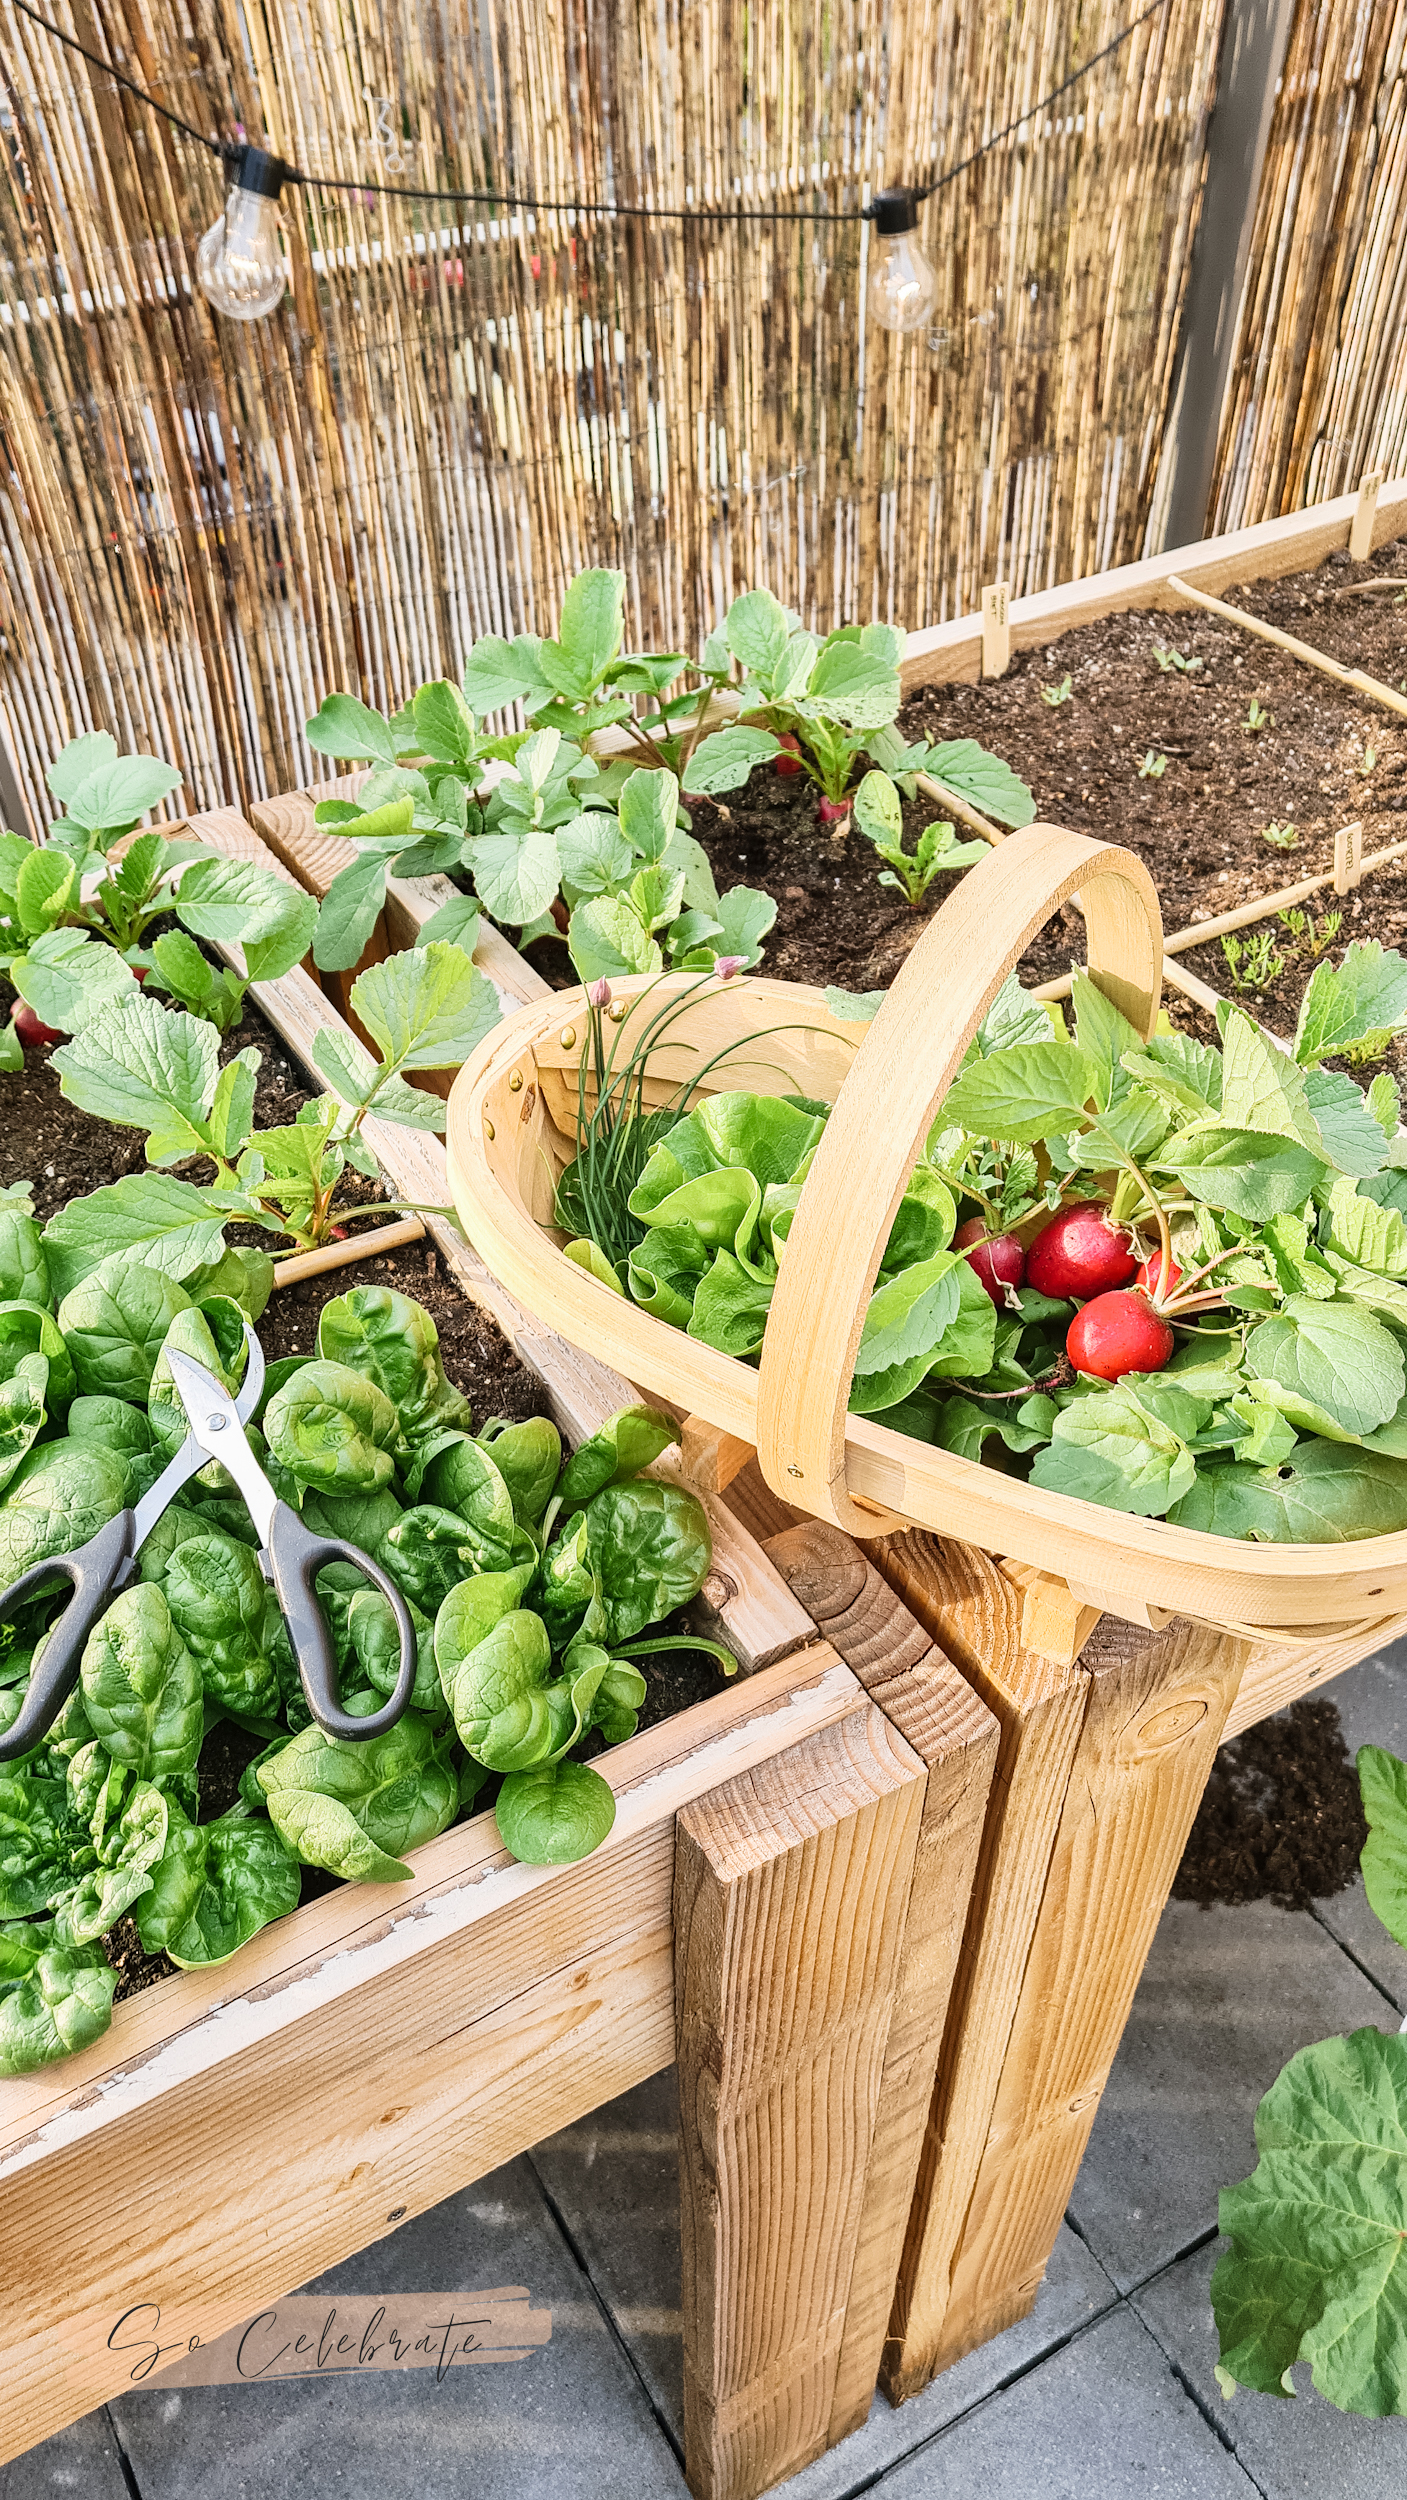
<point>205,525</point>
<point>1318,391</point>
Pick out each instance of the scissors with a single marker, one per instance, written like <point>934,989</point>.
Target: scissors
<point>290,1557</point>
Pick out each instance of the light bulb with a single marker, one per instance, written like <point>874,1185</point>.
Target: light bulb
<point>239,264</point>
<point>903,283</point>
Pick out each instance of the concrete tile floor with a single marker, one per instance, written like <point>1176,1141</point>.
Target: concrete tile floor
<point>1106,2392</point>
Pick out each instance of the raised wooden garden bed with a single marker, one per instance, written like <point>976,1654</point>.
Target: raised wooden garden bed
<point>779,1907</point>
<point>1107,1732</point>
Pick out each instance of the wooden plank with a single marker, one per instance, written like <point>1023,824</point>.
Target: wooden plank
<point>955,1736</point>
<point>1157,1704</point>
<point>963,1600</point>
<point>1275,1676</point>
<point>1263,553</point>
<point>408,2038</point>
<point>790,1889</point>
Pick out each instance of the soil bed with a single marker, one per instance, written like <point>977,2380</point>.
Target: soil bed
<point>1199,825</point>
<point>1281,1818</point>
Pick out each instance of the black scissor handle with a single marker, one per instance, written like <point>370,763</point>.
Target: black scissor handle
<point>95,1571</point>
<point>296,1557</point>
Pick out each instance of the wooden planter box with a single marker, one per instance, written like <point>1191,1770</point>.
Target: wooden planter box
<point>238,2131</point>
<point>893,2131</point>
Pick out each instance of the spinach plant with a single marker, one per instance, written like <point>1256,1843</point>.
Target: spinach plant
<point>531,1581</point>
<point>74,917</point>
<point>1314,2269</point>
<point>143,1067</point>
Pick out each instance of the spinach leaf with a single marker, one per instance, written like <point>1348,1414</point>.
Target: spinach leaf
<point>555,1813</point>
<point>333,1429</point>
<point>429,1551</point>
<point>623,1447</point>
<point>394,1342</point>
<point>468,1490</point>
<point>502,1696</point>
<point>63,2003</point>
<point>528,1457</point>
<point>35,1842</point>
<point>114,1332</point>
<point>22,1412</point>
<point>215,1885</point>
<point>212,1333</point>
<point>24,1269</point>
<point>141,1686</point>
<point>25,1331</point>
<point>650,1550</point>
<point>220,1607</point>
<point>61,1494</point>
<point>353,1808</point>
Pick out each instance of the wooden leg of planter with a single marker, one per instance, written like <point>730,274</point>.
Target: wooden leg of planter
<point>791,1884</point>
<point>934,1707</point>
<point>968,1605</point>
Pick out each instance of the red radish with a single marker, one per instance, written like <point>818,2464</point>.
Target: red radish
<point>1079,1253</point>
<point>1149,1279</point>
<point>996,1263</point>
<point>790,761</point>
<point>1118,1333</point>
<point>29,1028</point>
<point>835,811</point>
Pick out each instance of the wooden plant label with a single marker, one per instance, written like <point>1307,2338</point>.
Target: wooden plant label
<point>996,629</point>
<point>329,2336</point>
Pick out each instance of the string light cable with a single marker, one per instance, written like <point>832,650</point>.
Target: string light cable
<point>240,267</point>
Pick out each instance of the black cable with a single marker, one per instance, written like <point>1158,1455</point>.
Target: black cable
<point>229,152</point>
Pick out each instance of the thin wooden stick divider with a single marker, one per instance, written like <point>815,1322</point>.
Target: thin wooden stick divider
<point>1356,679</point>
<point>372,1245</point>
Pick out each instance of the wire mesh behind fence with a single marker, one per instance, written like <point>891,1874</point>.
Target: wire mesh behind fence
<point>205,525</point>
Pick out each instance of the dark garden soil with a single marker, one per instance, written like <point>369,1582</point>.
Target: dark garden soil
<point>1281,1819</point>
<point>1325,757</point>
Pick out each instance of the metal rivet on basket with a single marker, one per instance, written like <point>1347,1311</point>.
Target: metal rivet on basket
<point>515,1082</point>
<point>569,1037</point>
<point>619,1011</point>
<point>793,1471</point>
<point>488,1130</point>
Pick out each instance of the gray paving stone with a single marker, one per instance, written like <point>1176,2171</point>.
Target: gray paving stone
<point>82,2461</point>
<point>1102,2419</point>
<point>571,2418</point>
<point>1288,2449</point>
<point>615,2181</point>
<point>1226,1998</point>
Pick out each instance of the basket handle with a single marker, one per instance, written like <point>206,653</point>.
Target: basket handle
<point>885,1108</point>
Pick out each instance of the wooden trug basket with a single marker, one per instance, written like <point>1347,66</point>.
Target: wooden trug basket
<point>511,1130</point>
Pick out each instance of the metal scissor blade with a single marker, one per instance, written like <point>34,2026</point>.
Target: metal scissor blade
<point>193,1453</point>
<point>217,1428</point>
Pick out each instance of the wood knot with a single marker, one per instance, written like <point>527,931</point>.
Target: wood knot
<point>1169,1726</point>
<point>718,1591</point>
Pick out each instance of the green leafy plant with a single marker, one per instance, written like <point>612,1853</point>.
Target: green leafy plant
<point>1208,1324</point>
<point>1308,936</point>
<point>1253,963</point>
<point>1317,2231</point>
<point>1152,767</point>
<point>529,1581</point>
<point>547,832</point>
<point>1056,695</point>
<point>879,814</point>
<point>1280,838</point>
<point>144,1067</point>
<point>1169,660</point>
<point>1257,717</point>
<point>75,916</point>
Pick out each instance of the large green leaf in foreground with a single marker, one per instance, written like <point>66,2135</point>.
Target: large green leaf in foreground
<point>1317,2270</point>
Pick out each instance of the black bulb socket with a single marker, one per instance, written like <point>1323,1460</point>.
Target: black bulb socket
<point>894,212</point>
<point>253,169</point>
